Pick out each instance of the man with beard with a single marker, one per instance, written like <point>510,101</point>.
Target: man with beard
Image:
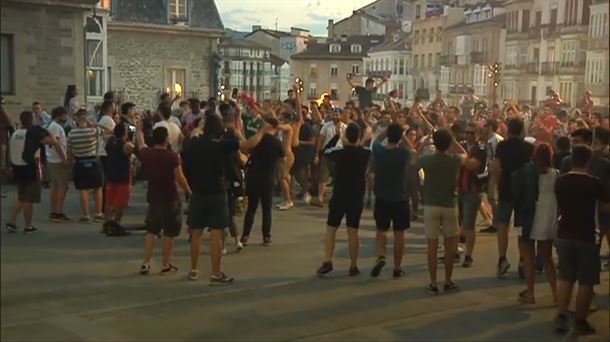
<point>327,132</point>
<point>58,165</point>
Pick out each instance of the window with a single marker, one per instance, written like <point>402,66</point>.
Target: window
<point>395,68</point>
<point>595,68</point>
<point>431,38</point>
<point>439,34</point>
<point>334,70</point>
<point>7,69</point>
<point>177,10</point>
<point>417,11</point>
<point>95,68</point>
<point>313,70</point>
<point>313,92</point>
<point>175,82</point>
<point>565,89</point>
<point>334,94</point>
<point>416,61</point>
<point>367,67</point>
<point>356,48</point>
<point>430,60</point>
<point>335,48</point>
<point>401,67</point>
<point>355,69</point>
<point>438,58</point>
<point>568,52</point>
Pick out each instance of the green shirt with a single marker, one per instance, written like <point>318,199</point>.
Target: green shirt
<point>252,125</point>
<point>440,181</point>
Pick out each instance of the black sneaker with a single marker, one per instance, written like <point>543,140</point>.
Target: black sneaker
<point>560,324</point>
<point>144,269</point>
<point>30,230</point>
<point>398,273</point>
<point>353,271</point>
<point>267,241</point>
<point>55,218</point>
<point>378,266</point>
<point>223,279</point>
<point>467,261</point>
<point>433,289</point>
<point>326,267</point>
<point>11,228</point>
<point>490,229</point>
<point>582,328</point>
<point>451,287</point>
<point>63,218</point>
<point>169,270</point>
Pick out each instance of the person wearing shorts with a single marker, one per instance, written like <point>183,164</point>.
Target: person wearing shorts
<point>57,165</point>
<point>391,196</point>
<point>511,155</point>
<point>87,171</point>
<point>204,163</point>
<point>327,132</point>
<point>348,195</point>
<point>26,142</point>
<point>118,179</point>
<point>578,197</point>
<point>440,209</point>
<point>470,189</point>
<point>162,169</point>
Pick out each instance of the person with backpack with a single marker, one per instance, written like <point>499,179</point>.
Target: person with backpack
<point>24,151</point>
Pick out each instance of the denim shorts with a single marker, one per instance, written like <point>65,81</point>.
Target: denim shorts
<point>469,204</point>
<point>503,213</point>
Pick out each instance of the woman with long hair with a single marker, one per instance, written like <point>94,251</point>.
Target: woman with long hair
<point>533,189</point>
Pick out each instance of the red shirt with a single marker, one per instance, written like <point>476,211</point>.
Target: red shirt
<point>158,166</point>
<point>541,134</point>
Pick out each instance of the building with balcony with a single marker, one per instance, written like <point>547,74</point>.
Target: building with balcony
<point>159,46</point>
<point>546,45</point>
<point>598,64</point>
<point>42,50</point>
<point>429,22</point>
<point>469,47</point>
<point>323,67</point>
<point>245,65</point>
<point>392,58</point>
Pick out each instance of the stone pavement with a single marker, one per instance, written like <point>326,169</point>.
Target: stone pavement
<point>71,283</point>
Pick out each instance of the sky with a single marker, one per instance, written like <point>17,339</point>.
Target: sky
<point>240,15</point>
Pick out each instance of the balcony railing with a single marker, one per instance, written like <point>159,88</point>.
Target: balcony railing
<point>549,68</point>
<point>598,43</point>
<point>517,36</point>
<point>519,67</point>
<point>533,68</point>
<point>574,29</point>
<point>550,32</point>
<point>534,33</point>
<point>577,68</point>
<point>448,60</point>
<point>478,57</point>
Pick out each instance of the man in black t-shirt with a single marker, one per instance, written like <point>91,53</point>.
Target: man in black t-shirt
<point>259,181</point>
<point>365,94</point>
<point>511,155</point>
<point>348,196</point>
<point>204,165</point>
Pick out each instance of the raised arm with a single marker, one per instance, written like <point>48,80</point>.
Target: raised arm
<point>140,133</point>
<point>246,145</point>
<point>351,83</point>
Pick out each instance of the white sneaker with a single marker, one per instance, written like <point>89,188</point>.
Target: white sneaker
<point>194,275</point>
<point>285,206</point>
<point>224,251</point>
<point>239,246</point>
<point>460,249</point>
<point>307,198</point>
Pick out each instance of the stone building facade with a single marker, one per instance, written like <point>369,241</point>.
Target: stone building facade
<point>155,47</point>
<point>42,51</point>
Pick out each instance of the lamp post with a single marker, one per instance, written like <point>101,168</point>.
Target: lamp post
<point>495,74</point>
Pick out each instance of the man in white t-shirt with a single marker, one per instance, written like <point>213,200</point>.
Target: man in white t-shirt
<point>58,166</point>
<point>327,132</point>
<point>107,124</point>
<point>174,131</point>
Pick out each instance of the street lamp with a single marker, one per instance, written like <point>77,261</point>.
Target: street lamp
<point>495,74</point>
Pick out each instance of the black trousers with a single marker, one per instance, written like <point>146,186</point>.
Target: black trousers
<point>259,189</point>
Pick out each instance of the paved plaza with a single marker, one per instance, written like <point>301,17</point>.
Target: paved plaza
<point>71,283</point>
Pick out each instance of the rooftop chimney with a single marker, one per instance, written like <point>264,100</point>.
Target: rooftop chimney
<point>256,27</point>
<point>330,29</point>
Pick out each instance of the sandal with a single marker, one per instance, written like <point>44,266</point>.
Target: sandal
<point>433,289</point>
<point>451,287</point>
<point>523,298</point>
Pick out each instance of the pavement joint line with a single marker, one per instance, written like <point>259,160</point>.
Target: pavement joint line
<point>165,301</point>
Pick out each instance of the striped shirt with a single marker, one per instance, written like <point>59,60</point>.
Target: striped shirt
<point>83,141</point>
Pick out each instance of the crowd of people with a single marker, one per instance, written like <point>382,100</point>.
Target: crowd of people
<point>544,170</point>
